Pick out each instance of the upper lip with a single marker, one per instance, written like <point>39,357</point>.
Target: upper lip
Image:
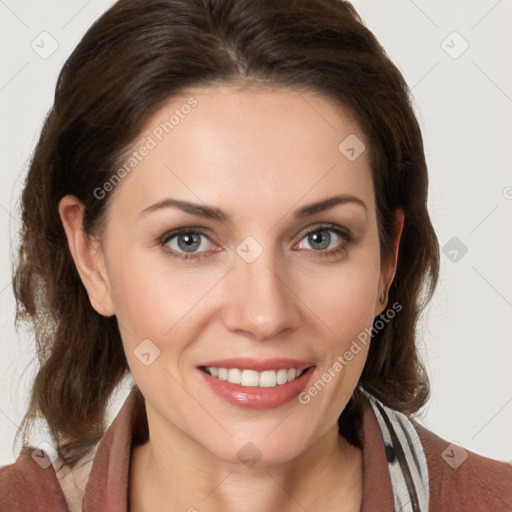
<point>246,363</point>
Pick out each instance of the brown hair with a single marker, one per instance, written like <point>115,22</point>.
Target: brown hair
<point>134,58</point>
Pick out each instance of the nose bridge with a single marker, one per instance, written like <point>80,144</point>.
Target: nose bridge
<point>260,301</point>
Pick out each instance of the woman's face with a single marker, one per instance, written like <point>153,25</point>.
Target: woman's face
<point>259,280</point>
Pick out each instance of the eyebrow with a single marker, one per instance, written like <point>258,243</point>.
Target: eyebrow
<point>211,212</point>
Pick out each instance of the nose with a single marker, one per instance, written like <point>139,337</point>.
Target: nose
<point>260,301</point>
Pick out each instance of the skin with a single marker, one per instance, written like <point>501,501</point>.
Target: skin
<point>257,155</point>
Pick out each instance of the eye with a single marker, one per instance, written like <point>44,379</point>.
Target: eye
<point>320,239</point>
<point>185,243</point>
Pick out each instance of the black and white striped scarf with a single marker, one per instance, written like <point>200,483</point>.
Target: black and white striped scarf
<point>407,463</point>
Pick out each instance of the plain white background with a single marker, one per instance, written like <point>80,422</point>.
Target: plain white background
<point>456,58</point>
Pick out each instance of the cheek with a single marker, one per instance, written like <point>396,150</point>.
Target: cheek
<point>138,298</point>
<point>343,298</point>
<point>148,305</point>
<point>150,299</point>
<point>344,303</point>
<point>156,301</point>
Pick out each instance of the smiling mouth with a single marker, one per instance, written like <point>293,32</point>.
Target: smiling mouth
<point>253,378</point>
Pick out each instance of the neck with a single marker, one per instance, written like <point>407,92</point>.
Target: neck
<point>172,472</point>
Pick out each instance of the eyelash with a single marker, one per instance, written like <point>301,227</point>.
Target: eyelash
<point>165,239</point>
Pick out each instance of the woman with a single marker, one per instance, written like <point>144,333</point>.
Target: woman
<point>228,203</point>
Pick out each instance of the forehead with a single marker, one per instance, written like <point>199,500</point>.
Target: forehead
<point>252,148</point>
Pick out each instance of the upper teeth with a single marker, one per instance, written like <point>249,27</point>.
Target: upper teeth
<point>265,379</point>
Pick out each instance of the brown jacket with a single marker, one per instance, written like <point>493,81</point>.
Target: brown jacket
<point>478,484</point>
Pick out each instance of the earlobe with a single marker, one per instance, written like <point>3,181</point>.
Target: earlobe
<point>87,255</point>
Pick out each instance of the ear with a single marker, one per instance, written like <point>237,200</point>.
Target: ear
<point>388,267</point>
<point>87,255</point>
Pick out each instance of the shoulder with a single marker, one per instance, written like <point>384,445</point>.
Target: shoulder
<point>462,480</point>
<point>34,484</point>
<point>30,484</point>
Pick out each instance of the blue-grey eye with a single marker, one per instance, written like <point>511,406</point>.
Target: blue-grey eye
<point>189,241</point>
<point>320,239</point>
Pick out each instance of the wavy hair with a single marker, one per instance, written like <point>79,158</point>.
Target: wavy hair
<point>131,61</point>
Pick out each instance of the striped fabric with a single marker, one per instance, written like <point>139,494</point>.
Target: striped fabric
<point>406,459</point>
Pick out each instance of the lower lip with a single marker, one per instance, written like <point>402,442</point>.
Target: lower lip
<point>250,397</point>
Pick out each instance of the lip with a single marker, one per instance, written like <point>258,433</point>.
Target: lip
<point>260,365</point>
<point>253,397</point>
